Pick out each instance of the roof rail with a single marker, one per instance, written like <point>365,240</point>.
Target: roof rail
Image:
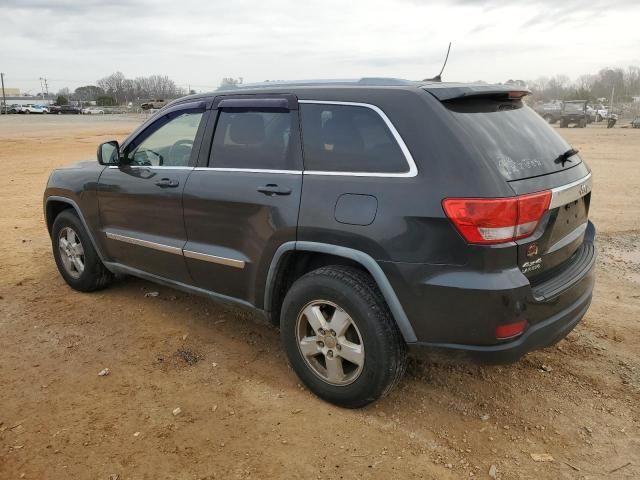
<point>372,81</point>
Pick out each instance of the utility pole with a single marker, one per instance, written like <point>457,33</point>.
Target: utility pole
<point>4,100</point>
<point>44,88</point>
<point>613,89</point>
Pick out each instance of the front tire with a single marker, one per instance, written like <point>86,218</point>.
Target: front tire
<point>340,337</point>
<point>77,260</point>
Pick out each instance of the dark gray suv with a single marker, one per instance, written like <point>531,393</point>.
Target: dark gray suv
<point>363,218</point>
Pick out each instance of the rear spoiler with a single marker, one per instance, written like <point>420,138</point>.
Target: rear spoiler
<point>451,91</point>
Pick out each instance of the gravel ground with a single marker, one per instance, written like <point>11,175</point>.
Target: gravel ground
<point>197,390</point>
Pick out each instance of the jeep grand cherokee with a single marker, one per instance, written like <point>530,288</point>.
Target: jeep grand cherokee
<point>364,218</point>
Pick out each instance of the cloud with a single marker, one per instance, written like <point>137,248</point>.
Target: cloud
<point>74,42</point>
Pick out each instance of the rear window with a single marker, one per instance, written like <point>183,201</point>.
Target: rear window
<point>511,136</point>
<point>348,138</point>
<point>574,107</point>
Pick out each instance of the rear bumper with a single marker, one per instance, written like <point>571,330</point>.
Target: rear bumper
<point>540,335</point>
<point>459,309</point>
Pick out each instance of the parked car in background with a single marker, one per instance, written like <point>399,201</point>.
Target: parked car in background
<point>54,108</point>
<point>362,219</point>
<point>31,108</point>
<point>550,111</point>
<point>602,112</point>
<point>92,111</point>
<point>15,108</point>
<point>68,109</point>
<point>153,104</point>
<point>635,123</point>
<point>574,112</point>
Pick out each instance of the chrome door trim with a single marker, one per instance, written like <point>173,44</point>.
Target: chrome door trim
<point>249,170</point>
<point>144,243</point>
<point>413,169</point>
<point>230,262</point>
<point>570,192</point>
<point>155,167</point>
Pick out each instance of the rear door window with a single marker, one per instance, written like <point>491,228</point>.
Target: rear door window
<point>348,138</point>
<point>253,139</point>
<point>511,136</point>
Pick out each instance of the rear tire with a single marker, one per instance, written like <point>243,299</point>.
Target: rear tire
<point>75,256</point>
<point>353,351</point>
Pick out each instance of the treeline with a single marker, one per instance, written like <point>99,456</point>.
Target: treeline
<point>625,83</point>
<point>124,90</point>
<point>116,89</point>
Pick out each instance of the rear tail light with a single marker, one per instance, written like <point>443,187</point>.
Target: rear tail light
<point>497,220</point>
<point>510,330</point>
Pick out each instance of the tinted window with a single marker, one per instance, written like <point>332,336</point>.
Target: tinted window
<point>342,138</point>
<point>170,145</point>
<point>253,139</point>
<point>574,107</point>
<point>511,136</point>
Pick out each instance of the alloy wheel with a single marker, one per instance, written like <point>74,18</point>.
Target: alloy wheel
<point>71,252</point>
<point>330,342</point>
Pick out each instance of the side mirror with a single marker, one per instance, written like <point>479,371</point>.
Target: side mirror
<point>109,153</point>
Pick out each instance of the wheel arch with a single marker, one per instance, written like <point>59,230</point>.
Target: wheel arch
<point>347,256</point>
<point>54,205</point>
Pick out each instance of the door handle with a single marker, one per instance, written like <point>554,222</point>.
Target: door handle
<point>273,189</point>
<point>167,183</point>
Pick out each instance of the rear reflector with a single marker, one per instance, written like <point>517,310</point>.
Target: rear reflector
<point>510,330</point>
<point>496,220</point>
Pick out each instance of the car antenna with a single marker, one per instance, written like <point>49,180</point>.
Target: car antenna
<point>438,78</point>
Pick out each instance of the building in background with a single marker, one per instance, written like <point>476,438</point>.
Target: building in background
<point>11,92</point>
<point>31,99</point>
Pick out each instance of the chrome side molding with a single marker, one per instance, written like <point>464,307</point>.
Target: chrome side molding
<point>144,243</point>
<point>230,262</point>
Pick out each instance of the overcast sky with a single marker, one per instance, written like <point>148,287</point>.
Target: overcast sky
<point>197,42</point>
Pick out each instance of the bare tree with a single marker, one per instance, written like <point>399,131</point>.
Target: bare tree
<point>125,90</point>
<point>88,92</point>
<point>228,83</point>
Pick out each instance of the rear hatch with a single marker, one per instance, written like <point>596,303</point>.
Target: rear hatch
<point>505,134</point>
<point>574,109</point>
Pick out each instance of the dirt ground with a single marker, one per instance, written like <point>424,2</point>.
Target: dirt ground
<point>243,412</point>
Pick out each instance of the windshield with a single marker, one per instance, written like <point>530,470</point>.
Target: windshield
<point>511,136</point>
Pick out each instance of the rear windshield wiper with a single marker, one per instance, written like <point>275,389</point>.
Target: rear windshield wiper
<point>565,157</point>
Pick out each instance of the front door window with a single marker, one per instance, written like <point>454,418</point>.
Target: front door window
<point>170,145</point>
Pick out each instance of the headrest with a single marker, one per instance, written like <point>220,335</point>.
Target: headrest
<point>247,129</point>
<point>342,133</point>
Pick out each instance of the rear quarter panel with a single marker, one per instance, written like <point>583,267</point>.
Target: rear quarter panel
<point>410,225</point>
